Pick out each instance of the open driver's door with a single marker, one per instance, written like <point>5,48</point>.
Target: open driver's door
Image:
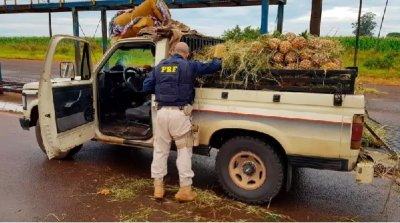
<point>66,105</point>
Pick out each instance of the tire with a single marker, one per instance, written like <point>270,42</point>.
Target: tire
<point>249,170</point>
<point>60,156</point>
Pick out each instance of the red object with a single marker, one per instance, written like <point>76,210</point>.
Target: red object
<point>357,131</point>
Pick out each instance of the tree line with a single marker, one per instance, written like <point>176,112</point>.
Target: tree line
<point>367,28</point>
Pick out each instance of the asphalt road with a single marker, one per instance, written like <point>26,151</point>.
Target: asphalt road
<point>385,107</point>
<point>33,188</point>
<point>22,71</point>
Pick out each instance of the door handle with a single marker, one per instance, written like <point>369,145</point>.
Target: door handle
<point>47,115</point>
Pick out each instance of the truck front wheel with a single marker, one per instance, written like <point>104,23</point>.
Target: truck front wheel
<point>249,170</point>
<point>61,156</point>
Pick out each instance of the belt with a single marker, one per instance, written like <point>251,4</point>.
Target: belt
<point>170,107</point>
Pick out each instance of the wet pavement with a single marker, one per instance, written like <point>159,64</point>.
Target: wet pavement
<point>22,71</point>
<point>35,189</point>
<point>385,107</point>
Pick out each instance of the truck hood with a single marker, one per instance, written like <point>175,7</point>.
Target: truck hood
<point>35,85</point>
<point>31,86</point>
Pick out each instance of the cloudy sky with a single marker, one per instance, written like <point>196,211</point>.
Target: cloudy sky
<point>336,20</point>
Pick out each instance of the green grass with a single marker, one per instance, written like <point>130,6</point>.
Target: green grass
<point>371,43</point>
<point>34,48</point>
<point>365,71</point>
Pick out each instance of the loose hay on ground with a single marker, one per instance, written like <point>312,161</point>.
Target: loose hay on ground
<point>267,215</point>
<point>361,89</point>
<point>141,215</point>
<point>207,207</point>
<point>127,188</point>
<point>370,140</point>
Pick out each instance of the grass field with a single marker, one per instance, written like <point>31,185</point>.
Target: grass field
<point>34,48</point>
<point>379,60</point>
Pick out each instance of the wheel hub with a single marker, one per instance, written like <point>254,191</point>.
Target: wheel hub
<point>249,168</point>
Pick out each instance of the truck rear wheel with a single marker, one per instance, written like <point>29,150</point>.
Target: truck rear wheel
<point>249,170</point>
<point>61,156</point>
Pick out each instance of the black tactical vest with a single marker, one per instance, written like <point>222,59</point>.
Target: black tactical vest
<point>174,82</point>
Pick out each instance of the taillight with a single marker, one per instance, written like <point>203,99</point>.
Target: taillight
<point>357,131</point>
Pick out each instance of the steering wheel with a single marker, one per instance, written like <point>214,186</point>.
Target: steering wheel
<point>133,78</point>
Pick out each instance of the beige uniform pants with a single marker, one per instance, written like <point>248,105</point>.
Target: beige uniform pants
<point>172,124</point>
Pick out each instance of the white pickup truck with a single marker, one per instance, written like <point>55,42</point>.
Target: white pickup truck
<point>259,134</point>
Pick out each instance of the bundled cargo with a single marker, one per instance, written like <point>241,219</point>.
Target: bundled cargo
<point>148,14</point>
<point>151,19</point>
<point>272,60</point>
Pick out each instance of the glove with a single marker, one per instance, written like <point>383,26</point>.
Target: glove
<point>219,51</point>
<point>147,68</point>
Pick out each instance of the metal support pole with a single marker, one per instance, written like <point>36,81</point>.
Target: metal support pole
<point>1,80</point>
<point>50,28</point>
<point>75,24</point>
<point>280,16</point>
<point>316,14</point>
<point>104,29</point>
<point>383,18</point>
<point>264,16</point>
<point>357,35</point>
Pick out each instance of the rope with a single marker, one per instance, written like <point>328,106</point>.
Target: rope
<point>383,17</point>
<point>98,24</point>
<point>94,35</point>
<point>80,27</point>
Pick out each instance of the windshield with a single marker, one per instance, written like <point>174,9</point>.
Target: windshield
<point>130,56</point>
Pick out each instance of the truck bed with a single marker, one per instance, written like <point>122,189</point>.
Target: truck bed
<point>315,81</point>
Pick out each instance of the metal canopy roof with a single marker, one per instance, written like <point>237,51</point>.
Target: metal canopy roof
<point>93,5</point>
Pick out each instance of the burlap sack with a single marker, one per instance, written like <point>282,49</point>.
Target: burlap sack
<point>147,8</point>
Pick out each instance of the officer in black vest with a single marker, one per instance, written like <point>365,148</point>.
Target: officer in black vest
<point>172,81</point>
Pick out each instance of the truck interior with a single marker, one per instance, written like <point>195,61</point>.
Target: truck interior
<point>124,110</point>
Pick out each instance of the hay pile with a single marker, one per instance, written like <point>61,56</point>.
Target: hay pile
<point>245,60</point>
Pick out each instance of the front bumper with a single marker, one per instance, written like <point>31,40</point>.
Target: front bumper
<point>24,123</point>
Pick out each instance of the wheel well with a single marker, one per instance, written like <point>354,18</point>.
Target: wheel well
<point>34,116</point>
<point>221,136</point>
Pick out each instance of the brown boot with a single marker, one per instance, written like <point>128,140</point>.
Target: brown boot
<point>185,194</point>
<point>158,189</point>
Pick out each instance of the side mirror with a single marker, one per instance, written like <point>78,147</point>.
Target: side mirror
<point>67,70</point>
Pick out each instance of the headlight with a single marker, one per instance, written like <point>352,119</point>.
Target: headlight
<point>24,101</point>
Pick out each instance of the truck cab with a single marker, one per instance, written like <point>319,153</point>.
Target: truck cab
<point>259,134</point>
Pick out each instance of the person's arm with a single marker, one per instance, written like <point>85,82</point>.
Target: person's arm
<point>199,69</point>
<point>149,83</point>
